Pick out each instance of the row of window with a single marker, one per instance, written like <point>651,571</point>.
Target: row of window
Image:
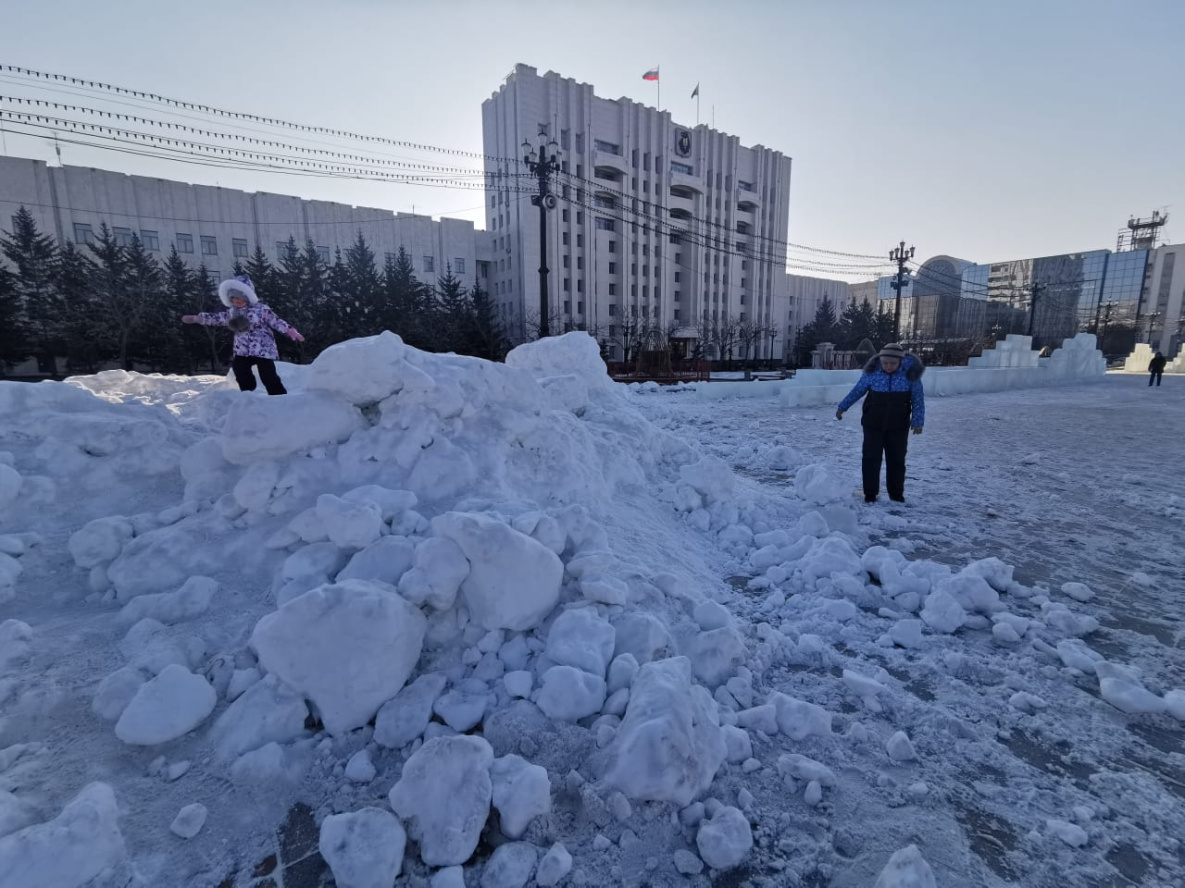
<point>84,234</point>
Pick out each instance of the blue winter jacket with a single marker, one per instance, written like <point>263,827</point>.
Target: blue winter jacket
<point>892,397</point>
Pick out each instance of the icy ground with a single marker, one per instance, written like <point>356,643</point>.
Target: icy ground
<point>453,623</point>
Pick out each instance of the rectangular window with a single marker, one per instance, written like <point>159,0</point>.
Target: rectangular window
<point>612,292</point>
<point>580,262</point>
<point>567,285</point>
<point>579,308</point>
<point>612,268</point>
<point>185,243</point>
<point>645,292</point>
<point>579,168</point>
<point>567,306</point>
<point>607,147</point>
<point>239,247</point>
<point>579,217</point>
<point>579,143</point>
<point>564,216</point>
<point>677,277</point>
<point>209,246</point>
<point>567,262</point>
<point>676,314</point>
<point>580,240</point>
<point>678,295</point>
<point>429,264</point>
<point>323,254</point>
<point>612,246</point>
<point>580,286</point>
<point>565,239</point>
<point>605,224</point>
<point>151,240</point>
<point>683,168</point>
<point>84,235</point>
<point>123,236</point>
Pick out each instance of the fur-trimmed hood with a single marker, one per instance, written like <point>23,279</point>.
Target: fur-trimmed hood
<point>240,285</point>
<point>911,364</point>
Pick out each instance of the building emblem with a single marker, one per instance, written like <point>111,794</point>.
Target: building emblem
<point>683,143</point>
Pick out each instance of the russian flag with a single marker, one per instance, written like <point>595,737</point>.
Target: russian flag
<point>652,74</point>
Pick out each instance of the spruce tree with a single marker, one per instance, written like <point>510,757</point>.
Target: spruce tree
<point>152,337</point>
<point>486,337</point>
<point>451,313</point>
<point>85,350</point>
<point>405,303</point>
<point>34,258</point>
<point>12,335</point>
<point>364,288</point>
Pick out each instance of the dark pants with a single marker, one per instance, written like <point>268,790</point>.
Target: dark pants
<point>242,365</point>
<point>1155,374</point>
<point>892,443</point>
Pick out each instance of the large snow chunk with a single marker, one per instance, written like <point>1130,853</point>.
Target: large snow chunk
<point>10,486</point>
<point>573,353</point>
<point>830,555</point>
<point>725,840</point>
<point>669,745</point>
<point>973,593</point>
<point>510,866</point>
<point>267,711</point>
<point>258,429</point>
<point>69,851</point>
<point>100,541</point>
<point>522,792</point>
<point>514,580</point>
<point>364,370</point>
<point>819,484</point>
<point>159,560</point>
<point>15,639</point>
<point>404,718</point>
<point>715,655</point>
<point>386,560</point>
<point>906,869</point>
<point>364,849</point>
<point>189,821</point>
<point>348,648</point>
<point>116,692</point>
<point>942,612</point>
<point>711,476</point>
<point>349,525</point>
<point>167,707</point>
<point>1130,696</point>
<point>580,638</point>
<point>439,566</point>
<point>569,694</point>
<point>799,719</point>
<point>642,635</point>
<point>444,794</point>
<point>997,574</point>
<point>556,864</point>
<point>191,600</point>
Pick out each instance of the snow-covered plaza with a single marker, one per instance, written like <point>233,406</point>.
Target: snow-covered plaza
<point>508,625</point>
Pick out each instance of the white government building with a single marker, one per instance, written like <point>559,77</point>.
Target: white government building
<point>653,219</point>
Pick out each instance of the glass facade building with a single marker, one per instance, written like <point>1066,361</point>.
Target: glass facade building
<point>1053,297</point>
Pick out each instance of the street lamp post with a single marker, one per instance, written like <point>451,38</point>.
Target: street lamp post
<point>899,255</point>
<point>542,166</point>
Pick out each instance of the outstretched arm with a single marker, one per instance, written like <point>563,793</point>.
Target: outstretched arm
<point>280,325</point>
<point>855,394</point>
<point>207,319</point>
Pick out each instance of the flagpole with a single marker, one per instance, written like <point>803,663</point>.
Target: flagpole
<point>658,86</point>
<point>697,105</point>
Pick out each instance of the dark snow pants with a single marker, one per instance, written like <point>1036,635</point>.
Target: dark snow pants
<point>1155,374</point>
<point>892,443</point>
<point>242,365</point>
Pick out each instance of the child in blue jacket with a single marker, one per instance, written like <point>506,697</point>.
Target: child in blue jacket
<point>895,403</point>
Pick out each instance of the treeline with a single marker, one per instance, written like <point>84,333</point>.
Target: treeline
<point>858,321</point>
<point>113,302</point>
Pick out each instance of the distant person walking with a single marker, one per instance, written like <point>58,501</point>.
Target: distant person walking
<point>895,403</point>
<point>1156,368</point>
<point>252,322</point>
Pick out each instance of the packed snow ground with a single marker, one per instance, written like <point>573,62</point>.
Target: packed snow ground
<point>498,624</point>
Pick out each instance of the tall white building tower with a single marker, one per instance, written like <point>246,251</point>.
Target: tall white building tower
<point>681,226</point>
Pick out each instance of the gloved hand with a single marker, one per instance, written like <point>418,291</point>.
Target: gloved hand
<point>189,319</point>
<point>294,336</point>
<point>917,430</point>
<point>839,414</point>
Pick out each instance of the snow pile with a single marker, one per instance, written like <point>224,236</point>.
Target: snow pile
<point>519,605</point>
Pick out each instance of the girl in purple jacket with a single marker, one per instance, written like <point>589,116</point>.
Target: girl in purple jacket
<point>252,323</point>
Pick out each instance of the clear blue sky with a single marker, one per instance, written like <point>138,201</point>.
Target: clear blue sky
<point>986,130</point>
